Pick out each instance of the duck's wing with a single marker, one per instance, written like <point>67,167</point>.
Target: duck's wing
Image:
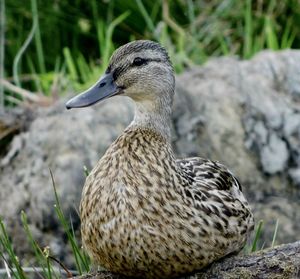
<point>218,196</point>
<point>211,176</point>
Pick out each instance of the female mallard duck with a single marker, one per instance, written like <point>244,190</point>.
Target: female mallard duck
<point>144,213</point>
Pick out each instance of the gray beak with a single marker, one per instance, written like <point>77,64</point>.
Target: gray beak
<point>104,88</point>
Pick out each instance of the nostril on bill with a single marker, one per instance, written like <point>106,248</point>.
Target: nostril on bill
<point>102,84</point>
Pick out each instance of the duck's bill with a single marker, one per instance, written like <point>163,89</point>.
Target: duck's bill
<point>104,88</point>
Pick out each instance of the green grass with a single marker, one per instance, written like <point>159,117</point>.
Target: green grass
<point>82,36</point>
<point>256,243</point>
<point>257,236</point>
<point>11,259</point>
<point>275,233</point>
<point>48,266</point>
<point>41,257</point>
<point>81,259</point>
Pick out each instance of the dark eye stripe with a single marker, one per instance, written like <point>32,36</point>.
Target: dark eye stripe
<point>138,61</point>
<point>119,70</point>
<point>155,60</point>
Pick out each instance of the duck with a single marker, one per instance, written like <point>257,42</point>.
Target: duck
<point>143,212</point>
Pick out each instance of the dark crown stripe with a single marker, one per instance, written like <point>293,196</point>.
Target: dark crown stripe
<point>138,46</point>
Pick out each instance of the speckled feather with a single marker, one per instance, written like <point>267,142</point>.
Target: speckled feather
<point>146,214</point>
<point>155,216</point>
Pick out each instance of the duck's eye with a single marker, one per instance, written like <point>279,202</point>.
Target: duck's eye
<point>138,61</point>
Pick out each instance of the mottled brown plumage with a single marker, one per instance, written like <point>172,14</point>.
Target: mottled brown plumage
<point>143,212</point>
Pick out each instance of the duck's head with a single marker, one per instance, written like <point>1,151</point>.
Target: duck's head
<point>140,70</point>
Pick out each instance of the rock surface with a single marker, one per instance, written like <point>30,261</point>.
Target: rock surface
<point>245,114</point>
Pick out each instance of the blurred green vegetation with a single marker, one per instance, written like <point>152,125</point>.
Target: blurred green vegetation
<point>52,45</point>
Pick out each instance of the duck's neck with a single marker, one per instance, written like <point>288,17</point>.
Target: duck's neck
<point>154,115</point>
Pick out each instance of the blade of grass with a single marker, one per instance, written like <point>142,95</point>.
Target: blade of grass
<point>223,45</point>
<point>191,16</point>
<point>108,49</point>
<point>54,89</point>
<point>36,79</point>
<point>275,233</point>
<point>42,260</point>
<point>99,26</point>
<point>146,16</point>
<point>8,248</point>
<point>257,235</point>
<point>248,33</point>
<point>110,11</point>
<point>84,255</point>
<point>76,253</point>
<point>156,6</point>
<point>258,43</point>
<point>83,68</point>
<point>169,20</point>
<point>38,40</point>
<point>289,35</point>
<point>271,37</point>
<point>7,269</point>
<point>80,260</point>
<point>70,64</point>
<point>101,36</point>
<point>21,51</point>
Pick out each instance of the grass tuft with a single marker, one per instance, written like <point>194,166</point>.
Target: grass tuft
<point>37,37</point>
<point>46,263</point>
<point>275,233</point>
<point>8,254</point>
<point>81,259</point>
<point>257,236</point>
<point>192,31</point>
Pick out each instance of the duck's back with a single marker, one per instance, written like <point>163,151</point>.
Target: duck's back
<point>145,214</point>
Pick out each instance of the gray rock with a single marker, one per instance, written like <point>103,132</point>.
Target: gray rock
<point>245,114</point>
<point>295,176</point>
<point>63,141</point>
<point>274,155</point>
